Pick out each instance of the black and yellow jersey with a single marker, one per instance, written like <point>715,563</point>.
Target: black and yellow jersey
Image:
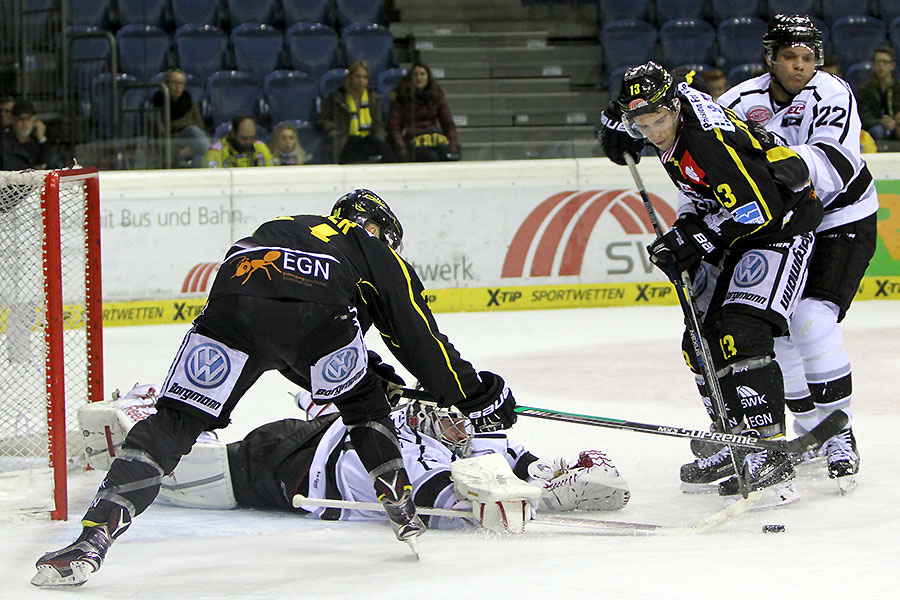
<point>329,260</point>
<point>750,189</point>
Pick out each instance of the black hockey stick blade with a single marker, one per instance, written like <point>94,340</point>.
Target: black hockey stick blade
<point>813,439</point>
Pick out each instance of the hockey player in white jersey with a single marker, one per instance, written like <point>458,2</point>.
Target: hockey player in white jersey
<point>315,458</point>
<point>815,112</point>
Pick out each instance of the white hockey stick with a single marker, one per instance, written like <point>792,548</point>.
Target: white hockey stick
<point>608,527</point>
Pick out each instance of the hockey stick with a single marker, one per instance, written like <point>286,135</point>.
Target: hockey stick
<point>609,527</point>
<point>819,434</point>
<point>698,340</point>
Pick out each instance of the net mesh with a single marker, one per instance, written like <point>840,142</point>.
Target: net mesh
<point>23,352</point>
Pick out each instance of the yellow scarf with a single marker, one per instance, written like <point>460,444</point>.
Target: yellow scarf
<point>360,119</point>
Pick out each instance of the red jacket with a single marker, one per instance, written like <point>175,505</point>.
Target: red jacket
<point>402,126</point>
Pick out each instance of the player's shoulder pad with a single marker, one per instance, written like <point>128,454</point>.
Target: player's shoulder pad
<point>757,86</point>
<point>709,114</point>
<point>825,85</point>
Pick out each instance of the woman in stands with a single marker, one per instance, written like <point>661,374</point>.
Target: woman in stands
<point>420,124</point>
<point>353,122</point>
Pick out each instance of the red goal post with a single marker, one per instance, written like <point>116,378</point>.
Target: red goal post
<point>51,343</point>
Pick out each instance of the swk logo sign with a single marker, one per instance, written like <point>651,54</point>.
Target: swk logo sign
<point>557,231</point>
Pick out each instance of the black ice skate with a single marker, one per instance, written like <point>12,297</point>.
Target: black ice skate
<point>395,494</point>
<point>706,448</point>
<point>71,566</point>
<point>843,459</point>
<point>767,470</point>
<point>697,476</point>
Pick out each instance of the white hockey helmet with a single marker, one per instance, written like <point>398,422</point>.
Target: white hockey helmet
<point>446,425</point>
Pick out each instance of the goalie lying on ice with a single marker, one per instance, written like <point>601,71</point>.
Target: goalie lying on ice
<point>315,458</point>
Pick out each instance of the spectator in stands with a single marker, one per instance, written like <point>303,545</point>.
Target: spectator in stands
<point>420,124</point>
<point>6,106</point>
<point>239,148</point>
<point>832,65</point>
<point>189,139</point>
<point>285,147</point>
<point>879,98</point>
<point>353,121</point>
<point>23,144</point>
<point>717,82</point>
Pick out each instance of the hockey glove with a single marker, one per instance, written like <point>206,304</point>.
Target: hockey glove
<point>494,409</point>
<point>684,246</point>
<point>614,140</point>
<point>390,381</point>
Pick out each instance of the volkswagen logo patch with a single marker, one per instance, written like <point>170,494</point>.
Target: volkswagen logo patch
<point>207,365</point>
<point>340,364</point>
<point>752,269</point>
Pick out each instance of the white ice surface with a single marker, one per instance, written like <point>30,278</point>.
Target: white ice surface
<point>621,363</point>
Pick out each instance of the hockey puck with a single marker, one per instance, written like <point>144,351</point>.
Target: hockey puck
<point>773,528</point>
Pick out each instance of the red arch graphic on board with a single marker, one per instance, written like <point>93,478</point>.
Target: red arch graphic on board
<point>197,278</point>
<point>625,206</point>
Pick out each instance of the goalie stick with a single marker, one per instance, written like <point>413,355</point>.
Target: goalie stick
<point>682,285</point>
<point>819,434</point>
<point>608,527</point>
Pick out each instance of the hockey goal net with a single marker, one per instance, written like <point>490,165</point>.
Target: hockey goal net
<point>50,331</point>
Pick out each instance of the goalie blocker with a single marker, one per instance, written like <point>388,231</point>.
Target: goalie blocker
<point>501,481</point>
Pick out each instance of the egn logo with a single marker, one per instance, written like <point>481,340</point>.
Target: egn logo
<point>552,219</point>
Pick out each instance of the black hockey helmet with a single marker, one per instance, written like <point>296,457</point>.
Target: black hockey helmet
<point>363,205</point>
<point>645,89</point>
<point>785,31</point>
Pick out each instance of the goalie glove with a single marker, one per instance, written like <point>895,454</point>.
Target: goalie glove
<point>590,483</point>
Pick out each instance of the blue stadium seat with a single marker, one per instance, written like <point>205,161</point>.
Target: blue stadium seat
<point>687,41</point>
<point>615,81</point>
<point>257,49</point>
<point>857,74</point>
<point>91,13</point>
<point>312,47</point>
<point>728,9</point>
<point>894,35</point>
<point>888,10</point>
<point>202,49</point>
<point>233,93</point>
<point>257,11</point>
<point>90,54</point>
<point>792,7</point>
<point>740,41</point>
<point>312,11</point>
<point>854,38</point>
<point>626,43</point>
<point>107,92</point>
<point>331,80</point>
<point>744,72</point>
<point>616,10</point>
<point>141,12</point>
<point>38,18</point>
<point>370,43</point>
<point>360,11</point>
<point>832,10</point>
<point>291,95</point>
<point>386,84</point>
<point>669,10</point>
<point>143,50</point>
<point>197,12</point>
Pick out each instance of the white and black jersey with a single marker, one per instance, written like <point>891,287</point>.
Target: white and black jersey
<point>822,125</point>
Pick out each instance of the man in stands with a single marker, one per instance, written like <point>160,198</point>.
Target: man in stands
<point>239,148</point>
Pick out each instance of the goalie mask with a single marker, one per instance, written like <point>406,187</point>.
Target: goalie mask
<point>787,31</point>
<point>361,206</point>
<point>447,425</point>
<point>646,89</point>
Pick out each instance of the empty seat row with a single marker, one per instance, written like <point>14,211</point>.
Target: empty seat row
<point>175,13</point>
<point>662,11</point>
<point>200,50</point>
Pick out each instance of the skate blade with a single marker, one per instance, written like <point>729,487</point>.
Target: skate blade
<point>413,545</point>
<point>48,576</point>
<point>780,494</point>
<point>846,484</point>
<point>700,488</point>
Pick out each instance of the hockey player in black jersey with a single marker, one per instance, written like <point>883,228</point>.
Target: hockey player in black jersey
<point>296,297</point>
<point>744,233</point>
<point>816,114</point>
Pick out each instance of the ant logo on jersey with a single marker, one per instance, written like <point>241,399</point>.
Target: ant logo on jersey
<point>207,365</point>
<point>246,267</point>
<point>752,269</point>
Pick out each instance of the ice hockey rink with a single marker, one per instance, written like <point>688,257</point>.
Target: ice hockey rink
<point>619,363</point>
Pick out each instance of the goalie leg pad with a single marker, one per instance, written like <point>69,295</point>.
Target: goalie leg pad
<point>202,478</point>
<point>500,500</point>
